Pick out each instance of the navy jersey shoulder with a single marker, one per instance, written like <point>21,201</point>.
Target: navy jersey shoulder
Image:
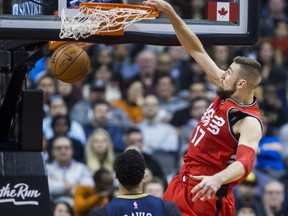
<point>161,207</point>
<point>144,205</point>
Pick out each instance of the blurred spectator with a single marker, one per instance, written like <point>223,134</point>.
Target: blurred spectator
<point>61,125</point>
<point>99,151</point>
<point>271,71</point>
<point>280,41</point>
<point>198,107</point>
<point>132,102</point>
<point>122,62</point>
<point>62,208</point>
<point>71,93</point>
<point>64,173</point>
<point>197,8</point>
<point>164,64</point>
<point>168,100</point>
<point>221,55</point>
<point>87,198</point>
<point>146,61</point>
<point>245,211</point>
<point>156,133</point>
<point>273,199</point>
<point>181,117</point>
<point>274,113</point>
<point>180,67</point>
<point>104,73</point>
<point>57,106</point>
<point>160,139</point>
<point>270,155</point>
<point>47,83</point>
<point>133,139</point>
<point>246,195</point>
<point>101,120</point>
<point>155,187</point>
<point>82,111</point>
<point>101,55</point>
<point>274,11</point>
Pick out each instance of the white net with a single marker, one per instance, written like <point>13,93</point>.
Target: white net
<point>94,21</point>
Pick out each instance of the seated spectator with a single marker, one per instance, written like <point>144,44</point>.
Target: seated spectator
<point>71,93</point>
<point>197,109</point>
<point>101,120</point>
<point>99,151</point>
<point>246,195</point>
<point>61,126</point>
<point>57,106</point>
<point>64,173</point>
<point>245,211</point>
<point>132,102</point>
<point>155,187</point>
<point>87,197</point>
<point>133,138</point>
<point>62,208</point>
<point>270,155</point>
<point>160,139</point>
<point>196,90</point>
<point>146,61</point>
<point>273,110</point>
<point>47,83</point>
<point>82,111</point>
<point>104,73</point>
<point>168,100</point>
<point>273,198</point>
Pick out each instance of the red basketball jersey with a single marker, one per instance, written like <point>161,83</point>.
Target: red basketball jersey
<point>213,143</point>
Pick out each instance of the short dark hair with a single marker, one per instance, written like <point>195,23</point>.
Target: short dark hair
<point>132,129</point>
<point>57,118</point>
<point>97,177</point>
<point>130,167</point>
<point>69,207</point>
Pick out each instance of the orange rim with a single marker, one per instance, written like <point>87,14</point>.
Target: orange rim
<point>108,6</point>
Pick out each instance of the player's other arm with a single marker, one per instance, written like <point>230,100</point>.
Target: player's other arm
<point>250,135</point>
<point>189,41</point>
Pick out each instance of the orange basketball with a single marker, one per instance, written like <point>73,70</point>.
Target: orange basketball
<point>70,63</point>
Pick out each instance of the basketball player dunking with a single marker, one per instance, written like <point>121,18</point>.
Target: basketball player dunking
<point>230,127</point>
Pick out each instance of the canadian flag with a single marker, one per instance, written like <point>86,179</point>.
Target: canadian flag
<point>223,11</point>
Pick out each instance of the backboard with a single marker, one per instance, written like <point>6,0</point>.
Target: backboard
<point>223,22</point>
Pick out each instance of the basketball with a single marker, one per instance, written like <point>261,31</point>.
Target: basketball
<point>70,63</point>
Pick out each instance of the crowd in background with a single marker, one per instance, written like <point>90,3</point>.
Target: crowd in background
<point>151,98</point>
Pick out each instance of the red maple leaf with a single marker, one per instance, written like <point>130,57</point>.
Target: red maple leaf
<point>223,11</point>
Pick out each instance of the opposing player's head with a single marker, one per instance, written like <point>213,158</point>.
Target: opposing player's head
<point>243,74</point>
<point>129,168</point>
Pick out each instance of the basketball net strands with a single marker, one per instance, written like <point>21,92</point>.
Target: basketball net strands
<point>107,19</point>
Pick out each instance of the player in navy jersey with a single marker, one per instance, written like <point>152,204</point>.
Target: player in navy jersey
<point>223,145</point>
<point>129,169</point>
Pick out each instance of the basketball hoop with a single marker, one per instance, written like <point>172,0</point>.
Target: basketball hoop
<point>109,19</point>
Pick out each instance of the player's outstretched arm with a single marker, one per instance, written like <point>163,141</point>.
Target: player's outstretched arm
<point>189,41</point>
